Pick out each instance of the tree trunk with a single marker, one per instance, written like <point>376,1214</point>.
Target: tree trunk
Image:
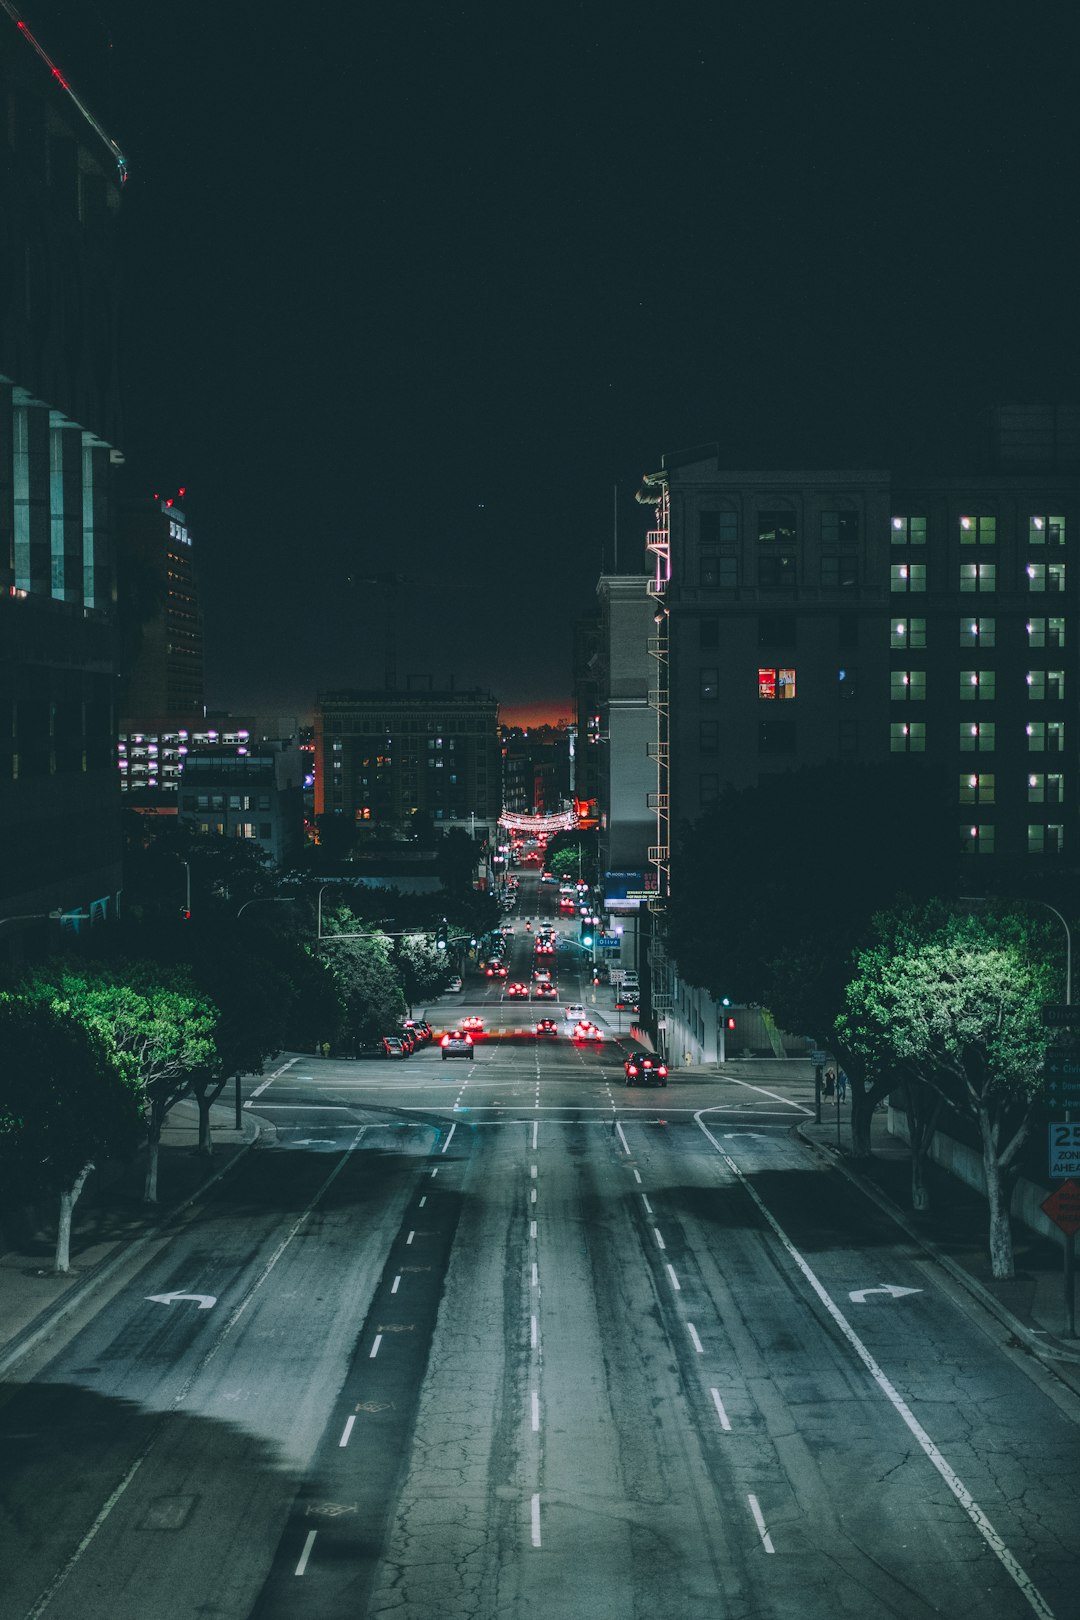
<point>205,1104</point>
<point>922,1117</point>
<point>997,1195</point>
<point>862,1109</point>
<point>68,1200</point>
<point>153,1141</point>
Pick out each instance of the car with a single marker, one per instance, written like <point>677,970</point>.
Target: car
<point>395,1046</point>
<point>495,970</point>
<point>547,1026</point>
<point>408,1040</point>
<point>420,1029</point>
<point>642,1069</point>
<point>545,990</point>
<point>473,1023</point>
<point>457,1043</point>
<point>586,1031</point>
<point>516,989</point>
<point>574,1013</point>
<point>454,984</point>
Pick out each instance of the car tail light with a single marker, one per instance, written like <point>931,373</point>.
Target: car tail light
<point>662,1069</point>
<point>468,1040</point>
<point>445,1040</point>
<point>632,1069</point>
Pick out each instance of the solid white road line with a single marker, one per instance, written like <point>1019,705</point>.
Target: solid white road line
<point>446,1144</point>
<point>721,1414</point>
<point>270,1080</point>
<point>974,1512</point>
<point>535,1412</point>
<point>536,1127</point>
<point>765,1092</point>
<point>375,1347</point>
<point>675,1283</point>
<point>760,1522</point>
<point>622,1139</point>
<point>692,1330</point>
<point>306,1554</point>
<point>346,1431</point>
<point>536,1520</point>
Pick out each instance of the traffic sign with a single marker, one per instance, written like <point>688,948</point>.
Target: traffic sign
<point>818,1058</point>
<point>1061,1017</point>
<point>1063,1207</point>
<point>1062,1063</point>
<point>1064,1148</point>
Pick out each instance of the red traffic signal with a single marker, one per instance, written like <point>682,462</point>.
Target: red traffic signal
<point>730,1023</point>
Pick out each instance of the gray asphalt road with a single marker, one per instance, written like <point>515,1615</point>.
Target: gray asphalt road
<point>506,1338</point>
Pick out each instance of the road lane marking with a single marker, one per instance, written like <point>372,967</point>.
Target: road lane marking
<point>306,1554</point>
<point>375,1347</point>
<point>765,1092</point>
<point>721,1414</point>
<point>659,1239</point>
<point>622,1139</point>
<point>394,1284</point>
<point>535,1412</point>
<point>434,1169</point>
<point>974,1512</point>
<point>532,1171</point>
<point>347,1431</point>
<point>532,1331</point>
<point>532,1196</point>
<point>536,1127</point>
<point>637,1176</point>
<point>536,1520</point>
<point>760,1522</point>
<point>423,1201</point>
<point>269,1081</point>
<point>532,1229</point>
<point>645,1201</point>
<point>675,1283</point>
<point>692,1330</point>
<point>446,1144</point>
<point>409,1239</point>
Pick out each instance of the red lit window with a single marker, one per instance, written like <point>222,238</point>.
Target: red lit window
<point>766,683</point>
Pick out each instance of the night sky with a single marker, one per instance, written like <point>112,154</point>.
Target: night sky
<point>418,288</point>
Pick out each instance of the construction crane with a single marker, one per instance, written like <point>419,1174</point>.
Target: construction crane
<point>20,23</point>
<point>385,587</point>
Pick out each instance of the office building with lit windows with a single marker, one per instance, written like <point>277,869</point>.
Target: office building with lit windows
<point>156,564</point>
<point>393,760</point>
<point>807,616</point>
<point>60,189</point>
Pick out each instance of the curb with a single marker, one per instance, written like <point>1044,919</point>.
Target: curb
<point>1043,1346</point>
<point>53,1315</point>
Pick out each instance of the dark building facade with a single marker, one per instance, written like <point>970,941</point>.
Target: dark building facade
<point>155,548</point>
<point>383,759</point>
<point>59,428</point>
<point>254,792</point>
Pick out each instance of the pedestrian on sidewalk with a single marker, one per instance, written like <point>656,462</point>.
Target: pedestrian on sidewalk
<point>841,1085</point>
<point>830,1082</point>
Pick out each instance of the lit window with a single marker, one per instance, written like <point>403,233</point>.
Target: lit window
<point>909,531</point>
<point>909,577</point>
<point>1046,531</point>
<point>980,531</point>
<point>1046,632</point>
<point>978,737</point>
<point>776,527</point>
<point>978,576</point>
<point>1045,839</point>
<point>977,683</point>
<point>908,633</point>
<point>1046,684</point>
<point>977,789</point>
<point>977,840</point>
<point>908,737</point>
<point>766,683</point>
<point>978,632</point>
<point>908,685</point>
<point>1049,789</point>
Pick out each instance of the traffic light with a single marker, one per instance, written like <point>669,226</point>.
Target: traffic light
<point>440,937</point>
<point>730,1023</point>
<point>587,932</point>
<point>185,914</point>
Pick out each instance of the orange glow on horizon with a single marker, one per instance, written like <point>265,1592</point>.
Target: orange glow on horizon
<point>532,714</point>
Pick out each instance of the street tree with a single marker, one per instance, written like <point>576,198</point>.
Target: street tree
<point>420,968</point>
<point>158,1025</point>
<point>950,1000</point>
<point>359,961</point>
<point>65,1104</point>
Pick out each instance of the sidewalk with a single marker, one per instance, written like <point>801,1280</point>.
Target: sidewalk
<point>955,1231</point>
<point>109,1217</point>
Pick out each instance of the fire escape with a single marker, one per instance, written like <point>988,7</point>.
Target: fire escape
<point>658,542</point>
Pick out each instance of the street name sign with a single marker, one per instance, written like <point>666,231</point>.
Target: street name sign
<point>819,1057</point>
<point>1063,1207</point>
<point>1064,1148</point>
<point>1061,1017</point>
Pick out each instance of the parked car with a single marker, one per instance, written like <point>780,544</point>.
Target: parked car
<point>642,1069</point>
<point>457,1043</point>
<point>408,1041</point>
<point>395,1046</point>
<point>453,984</point>
<point>420,1029</point>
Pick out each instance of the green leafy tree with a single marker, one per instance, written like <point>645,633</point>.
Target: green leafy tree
<point>64,1104</point>
<point>951,1001</point>
<point>158,1025</point>
<point>360,962</point>
<point>420,967</point>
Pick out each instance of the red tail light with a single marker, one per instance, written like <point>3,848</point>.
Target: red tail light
<point>445,1041</point>
<point>662,1069</point>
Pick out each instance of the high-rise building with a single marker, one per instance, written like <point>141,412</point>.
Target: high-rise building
<point>854,615</point>
<point>392,760</point>
<point>155,559</point>
<point>60,188</point>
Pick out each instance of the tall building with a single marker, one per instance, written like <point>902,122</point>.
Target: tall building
<point>60,187</point>
<point>852,614</point>
<point>391,760</point>
<point>155,559</point>
<point>254,792</point>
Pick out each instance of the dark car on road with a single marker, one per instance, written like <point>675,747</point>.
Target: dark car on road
<point>642,1069</point>
<point>457,1043</point>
